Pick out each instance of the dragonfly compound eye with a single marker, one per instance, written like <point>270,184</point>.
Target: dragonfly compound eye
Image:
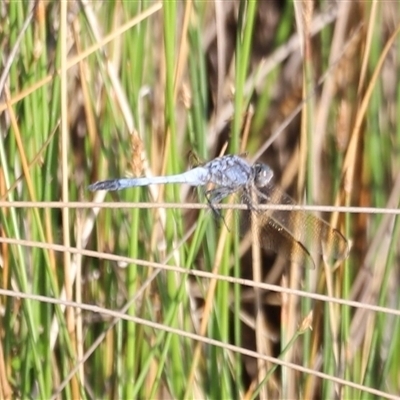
<point>262,175</point>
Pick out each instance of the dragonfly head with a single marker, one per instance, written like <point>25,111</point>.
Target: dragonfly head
<point>262,174</point>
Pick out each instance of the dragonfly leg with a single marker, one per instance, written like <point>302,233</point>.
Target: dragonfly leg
<point>215,196</point>
<point>215,211</point>
<point>246,198</point>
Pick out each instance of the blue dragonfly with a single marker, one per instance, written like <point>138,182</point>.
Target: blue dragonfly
<point>295,234</point>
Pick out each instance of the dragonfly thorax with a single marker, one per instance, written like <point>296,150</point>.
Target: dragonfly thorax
<point>262,174</point>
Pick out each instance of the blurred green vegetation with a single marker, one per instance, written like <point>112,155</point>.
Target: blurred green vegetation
<point>94,90</point>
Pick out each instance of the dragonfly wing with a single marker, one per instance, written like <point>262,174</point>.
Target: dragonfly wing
<point>312,232</point>
<point>272,236</point>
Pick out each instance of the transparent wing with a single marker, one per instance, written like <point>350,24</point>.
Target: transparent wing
<point>272,236</point>
<point>296,232</point>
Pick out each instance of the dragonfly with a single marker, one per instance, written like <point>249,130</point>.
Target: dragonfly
<point>295,234</point>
